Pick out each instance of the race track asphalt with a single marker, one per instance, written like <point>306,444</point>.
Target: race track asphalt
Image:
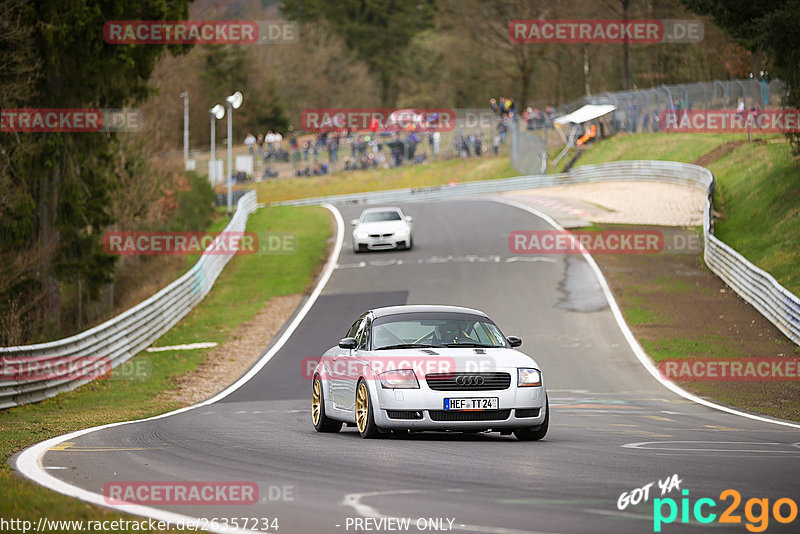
<point>613,427</point>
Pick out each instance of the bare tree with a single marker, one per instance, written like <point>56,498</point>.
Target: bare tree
<point>486,24</point>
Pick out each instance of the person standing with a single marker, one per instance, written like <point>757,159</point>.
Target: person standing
<point>250,142</point>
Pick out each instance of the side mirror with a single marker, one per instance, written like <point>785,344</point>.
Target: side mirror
<point>354,222</point>
<point>409,218</point>
<point>347,343</point>
<point>514,341</point>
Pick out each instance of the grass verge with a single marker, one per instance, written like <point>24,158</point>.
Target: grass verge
<point>655,146</point>
<point>421,175</point>
<point>678,309</point>
<point>758,190</point>
<point>242,289</point>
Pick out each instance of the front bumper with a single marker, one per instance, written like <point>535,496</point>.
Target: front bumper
<point>426,406</point>
<point>382,243</point>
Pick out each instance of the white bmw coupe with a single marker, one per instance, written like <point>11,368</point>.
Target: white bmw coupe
<point>381,229</point>
<point>429,368</point>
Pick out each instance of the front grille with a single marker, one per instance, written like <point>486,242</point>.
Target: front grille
<point>403,414</point>
<point>488,415</point>
<point>469,381</point>
<point>382,235</point>
<point>527,412</point>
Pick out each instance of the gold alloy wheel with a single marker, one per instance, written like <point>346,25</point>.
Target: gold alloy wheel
<point>362,407</point>
<point>316,401</point>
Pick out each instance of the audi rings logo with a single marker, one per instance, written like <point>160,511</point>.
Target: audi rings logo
<point>469,380</point>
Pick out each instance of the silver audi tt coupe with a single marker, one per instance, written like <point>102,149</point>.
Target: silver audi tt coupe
<point>435,368</point>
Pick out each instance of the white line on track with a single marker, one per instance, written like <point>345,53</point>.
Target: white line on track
<point>467,258</point>
<point>640,353</point>
<point>188,346</point>
<point>659,446</point>
<point>29,461</point>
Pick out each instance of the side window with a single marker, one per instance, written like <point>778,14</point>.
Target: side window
<point>362,335</point>
<point>354,329</point>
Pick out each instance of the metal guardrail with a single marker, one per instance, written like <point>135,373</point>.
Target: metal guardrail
<point>122,337</point>
<point>118,339</point>
<point>757,287</point>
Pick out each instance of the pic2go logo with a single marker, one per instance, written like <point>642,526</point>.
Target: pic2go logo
<point>756,511</point>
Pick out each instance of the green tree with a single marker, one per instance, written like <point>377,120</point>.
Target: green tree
<point>378,32</point>
<point>766,26</point>
<point>231,68</point>
<point>63,182</point>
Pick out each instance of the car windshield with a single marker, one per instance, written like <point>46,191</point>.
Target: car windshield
<point>435,330</point>
<point>380,216</point>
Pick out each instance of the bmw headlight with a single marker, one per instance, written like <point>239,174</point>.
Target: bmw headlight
<point>529,377</point>
<point>361,234</point>
<point>399,379</point>
<point>401,232</point>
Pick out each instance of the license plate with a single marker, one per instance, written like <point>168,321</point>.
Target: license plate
<point>472,404</point>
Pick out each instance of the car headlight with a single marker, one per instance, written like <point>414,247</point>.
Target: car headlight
<point>399,379</point>
<point>529,377</point>
<point>362,235</point>
<point>401,232</point>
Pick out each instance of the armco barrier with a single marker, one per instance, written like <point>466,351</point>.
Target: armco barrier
<point>122,337</point>
<point>754,285</point>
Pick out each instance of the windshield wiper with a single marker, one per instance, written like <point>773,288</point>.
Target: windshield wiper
<point>470,345</point>
<point>408,346</point>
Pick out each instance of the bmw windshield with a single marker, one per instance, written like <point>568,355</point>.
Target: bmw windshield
<point>380,216</point>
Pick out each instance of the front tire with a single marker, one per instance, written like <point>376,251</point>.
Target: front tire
<point>365,419</point>
<point>322,423</point>
<point>538,432</point>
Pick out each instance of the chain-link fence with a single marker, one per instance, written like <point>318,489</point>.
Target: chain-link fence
<point>639,111</point>
<point>528,152</point>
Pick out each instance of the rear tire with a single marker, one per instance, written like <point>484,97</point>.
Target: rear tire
<point>537,432</point>
<point>322,423</point>
<point>365,419</point>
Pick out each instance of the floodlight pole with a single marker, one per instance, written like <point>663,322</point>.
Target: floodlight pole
<point>230,159</point>
<point>185,96</point>
<point>233,102</point>
<point>213,158</point>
